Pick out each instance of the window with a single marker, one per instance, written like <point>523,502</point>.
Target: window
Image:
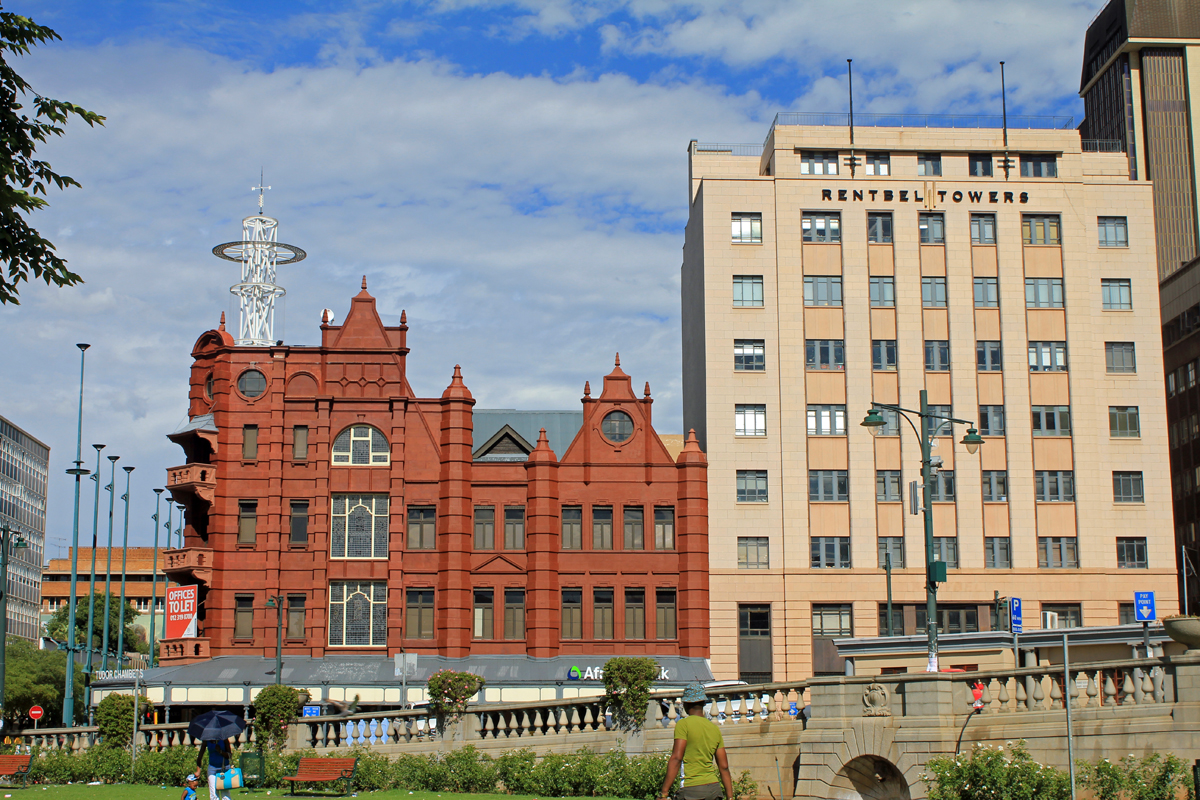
<point>983,229</point>
<point>833,620</point>
<point>937,355</point>
<point>514,613</point>
<point>830,552</point>
<point>818,227</point>
<point>1070,615</point>
<point>1123,422</point>
<point>249,442</point>
<point>300,443</point>
<point>1039,165</point>
<point>822,290</point>
<point>1043,293</point>
<point>987,293</point>
<point>891,423</point>
<point>1057,552</point>
<point>358,614</point>
<point>359,526</point>
<point>825,354</point>
<point>987,356</point>
<point>1054,486</point>
<point>749,355</point>
<point>243,616</point>
<point>1127,487</point>
<point>665,626</point>
<point>929,163</point>
<point>1114,231</point>
<point>1040,229</point>
<point>664,528</point>
<point>941,486</point>
<point>815,162</point>
<point>602,528</point>
<point>883,292</point>
<point>933,292</point>
<point>939,423</point>
<point>1131,553</point>
<point>485,528</point>
<point>997,552</point>
<point>360,445</point>
<point>827,420</point>
<point>879,228</point>
<point>572,528</point>
<point>887,485</point>
<point>879,164</point>
<point>634,519</point>
<point>828,485</point>
<point>748,291</point>
<point>485,609</point>
<point>897,629</point>
<point>752,486</point>
<point>1051,421</point>
<point>932,228</point>
<point>298,529</point>
<point>635,613</point>
<point>252,383</point>
<point>1047,356</point>
<point>617,426</point>
<point>883,355</point>
<point>1121,357</point>
<point>979,165</point>
<point>945,549</point>
<point>421,527</point>
<point>891,546</point>
<point>753,552</point>
<point>419,605</point>
<point>1117,293</point>
<point>572,613</point>
<point>602,613</point>
<point>1126,614</point>
<point>514,527</point>
<point>747,228</point>
<point>247,521</point>
<point>995,485</point>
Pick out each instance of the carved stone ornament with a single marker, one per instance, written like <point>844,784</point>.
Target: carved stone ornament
<point>875,701</point>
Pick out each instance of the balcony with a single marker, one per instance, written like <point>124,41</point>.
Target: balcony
<point>177,652</point>
<point>189,564</point>
<point>193,482</point>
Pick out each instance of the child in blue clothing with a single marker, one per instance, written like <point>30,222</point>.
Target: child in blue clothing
<point>189,788</point>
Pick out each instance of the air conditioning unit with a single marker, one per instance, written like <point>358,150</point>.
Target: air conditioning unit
<point>1049,620</point>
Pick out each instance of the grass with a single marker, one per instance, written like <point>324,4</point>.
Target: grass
<point>123,791</point>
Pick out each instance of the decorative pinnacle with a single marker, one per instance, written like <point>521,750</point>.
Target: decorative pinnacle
<point>364,283</point>
<point>221,327</point>
<point>587,388</point>
<point>403,317</point>
<point>618,359</point>
<point>325,316</point>
<point>647,392</point>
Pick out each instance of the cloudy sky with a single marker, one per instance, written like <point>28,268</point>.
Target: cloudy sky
<point>512,173</point>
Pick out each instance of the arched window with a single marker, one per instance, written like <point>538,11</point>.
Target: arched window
<point>357,614</point>
<point>360,445</point>
<point>360,526</point>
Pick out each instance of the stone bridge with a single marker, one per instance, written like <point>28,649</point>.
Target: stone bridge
<point>861,737</point>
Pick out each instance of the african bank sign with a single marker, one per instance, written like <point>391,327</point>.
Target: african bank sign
<point>576,673</point>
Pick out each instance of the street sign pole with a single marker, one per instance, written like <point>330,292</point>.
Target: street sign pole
<point>1016,622</point>
<point>1145,613</point>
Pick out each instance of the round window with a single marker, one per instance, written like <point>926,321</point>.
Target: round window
<point>252,383</point>
<point>617,426</point>
<point>208,386</point>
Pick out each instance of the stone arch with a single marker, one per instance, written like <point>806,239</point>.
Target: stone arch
<point>869,778</point>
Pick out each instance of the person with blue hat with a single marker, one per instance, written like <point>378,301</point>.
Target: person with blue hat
<point>698,743</point>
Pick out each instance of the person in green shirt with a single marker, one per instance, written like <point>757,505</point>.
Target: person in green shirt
<point>698,743</point>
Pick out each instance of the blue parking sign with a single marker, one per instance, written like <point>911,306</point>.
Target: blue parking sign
<point>1014,611</point>
<point>1143,607</point>
<point>792,709</point>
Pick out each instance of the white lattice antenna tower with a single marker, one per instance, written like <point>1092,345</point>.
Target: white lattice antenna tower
<point>260,253</point>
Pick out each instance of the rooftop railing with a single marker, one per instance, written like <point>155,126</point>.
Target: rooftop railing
<point>732,149</point>
<point>869,120</point>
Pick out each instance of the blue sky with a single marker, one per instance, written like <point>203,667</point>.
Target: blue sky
<point>512,174</point>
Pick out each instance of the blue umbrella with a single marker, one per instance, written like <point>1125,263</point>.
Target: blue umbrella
<point>217,725</point>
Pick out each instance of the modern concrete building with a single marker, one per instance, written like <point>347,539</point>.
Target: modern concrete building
<point>1011,275</point>
<point>23,464</point>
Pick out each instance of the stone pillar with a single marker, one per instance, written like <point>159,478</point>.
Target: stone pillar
<point>542,532</point>
<point>691,540</point>
<point>453,602</point>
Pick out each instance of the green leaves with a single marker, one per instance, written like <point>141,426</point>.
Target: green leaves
<point>627,684</point>
<point>135,638</point>
<point>274,707</point>
<point>35,678</point>
<point>114,718</point>
<point>449,692</point>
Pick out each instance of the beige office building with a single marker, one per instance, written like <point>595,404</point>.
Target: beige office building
<point>1023,299</point>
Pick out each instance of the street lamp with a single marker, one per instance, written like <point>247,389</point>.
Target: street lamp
<point>154,576</point>
<point>276,602</point>
<point>78,471</point>
<point>935,571</point>
<point>91,632</point>
<point>112,496</point>
<point>124,560</point>
<point>5,536</point>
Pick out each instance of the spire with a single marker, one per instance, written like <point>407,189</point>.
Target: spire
<point>691,452</point>
<point>647,392</point>
<point>542,452</point>
<point>364,284</point>
<point>587,388</point>
<point>325,316</point>
<point>457,390</point>
<point>618,359</point>
<point>221,327</point>
<point>403,317</point>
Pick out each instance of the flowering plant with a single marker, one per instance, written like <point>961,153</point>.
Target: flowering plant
<point>449,692</point>
<point>988,774</point>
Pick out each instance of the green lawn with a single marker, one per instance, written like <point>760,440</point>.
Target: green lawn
<point>123,791</point>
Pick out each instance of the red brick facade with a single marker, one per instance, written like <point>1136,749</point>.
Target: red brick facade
<point>240,496</point>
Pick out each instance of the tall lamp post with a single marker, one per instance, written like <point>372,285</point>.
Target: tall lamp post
<point>78,471</point>
<point>5,539</point>
<point>154,576</point>
<point>124,561</point>
<point>935,571</point>
<point>179,530</point>
<point>276,602</point>
<point>91,631</point>
<point>112,496</point>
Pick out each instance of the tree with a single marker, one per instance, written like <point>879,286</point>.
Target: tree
<point>57,626</point>
<point>35,678</point>
<point>22,175</point>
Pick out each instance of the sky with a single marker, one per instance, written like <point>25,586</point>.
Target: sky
<point>512,173</point>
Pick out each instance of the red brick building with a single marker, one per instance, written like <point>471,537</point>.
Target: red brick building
<point>316,476</point>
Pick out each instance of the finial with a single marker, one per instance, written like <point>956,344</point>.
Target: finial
<point>458,372</point>
<point>325,316</point>
<point>221,327</point>
<point>647,392</point>
<point>403,317</point>
<point>587,388</point>
<point>364,284</point>
<point>618,359</point>
<point>260,189</point>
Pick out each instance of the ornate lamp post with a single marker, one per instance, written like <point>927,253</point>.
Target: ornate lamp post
<point>935,571</point>
<point>78,471</point>
<point>276,602</point>
<point>112,496</point>
<point>154,577</point>
<point>5,543</point>
<point>124,561</point>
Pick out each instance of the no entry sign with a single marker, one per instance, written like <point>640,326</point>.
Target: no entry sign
<point>36,713</point>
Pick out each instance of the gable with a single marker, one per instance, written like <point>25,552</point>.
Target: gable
<point>504,445</point>
<point>499,565</point>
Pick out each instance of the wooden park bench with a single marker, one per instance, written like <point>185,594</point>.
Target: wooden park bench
<point>314,770</point>
<point>15,766</point>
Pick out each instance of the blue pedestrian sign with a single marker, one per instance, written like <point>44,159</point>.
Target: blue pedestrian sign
<point>1014,614</point>
<point>312,711</point>
<point>1143,607</point>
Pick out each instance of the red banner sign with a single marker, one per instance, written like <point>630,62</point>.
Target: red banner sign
<point>181,613</point>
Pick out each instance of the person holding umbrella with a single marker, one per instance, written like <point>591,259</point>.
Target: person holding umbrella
<point>214,729</point>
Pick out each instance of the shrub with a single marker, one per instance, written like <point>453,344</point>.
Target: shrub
<point>274,707</point>
<point>514,769</point>
<point>110,764</point>
<point>59,766</point>
<point>114,718</point>
<point>614,776</point>
<point>469,771</point>
<point>449,693</point>
<point>1154,777</point>
<point>420,773</point>
<point>745,787</point>
<point>627,684</point>
<point>164,767</point>
<point>646,775</point>
<point>374,772</point>
<point>987,773</point>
